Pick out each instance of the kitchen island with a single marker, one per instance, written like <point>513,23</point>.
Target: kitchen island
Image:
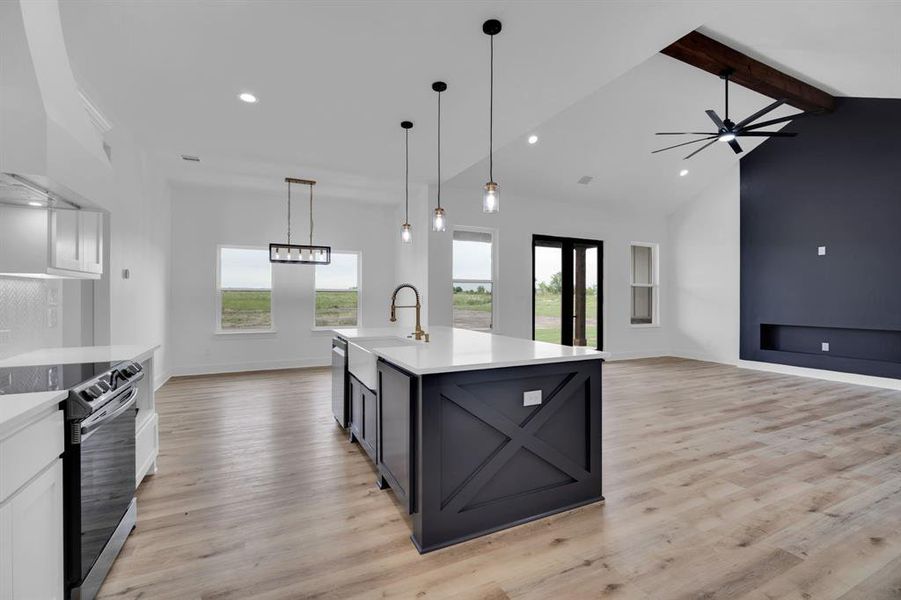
<point>473,432</point>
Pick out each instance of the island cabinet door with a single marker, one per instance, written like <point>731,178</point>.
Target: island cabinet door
<point>498,447</point>
<point>356,408</point>
<point>396,397</point>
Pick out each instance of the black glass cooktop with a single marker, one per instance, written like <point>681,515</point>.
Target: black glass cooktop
<point>48,378</point>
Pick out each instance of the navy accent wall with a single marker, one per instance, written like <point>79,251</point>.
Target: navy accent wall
<point>838,185</point>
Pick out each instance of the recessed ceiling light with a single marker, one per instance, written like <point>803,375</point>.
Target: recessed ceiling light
<point>35,204</point>
<point>533,138</point>
<point>683,172</point>
<point>247,97</point>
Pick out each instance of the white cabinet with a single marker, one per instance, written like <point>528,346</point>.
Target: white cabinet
<point>76,241</point>
<point>65,240</point>
<point>31,539</point>
<point>59,243</point>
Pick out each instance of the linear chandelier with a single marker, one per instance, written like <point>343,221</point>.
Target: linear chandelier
<point>300,254</point>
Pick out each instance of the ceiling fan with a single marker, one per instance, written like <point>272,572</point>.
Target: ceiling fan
<point>727,131</point>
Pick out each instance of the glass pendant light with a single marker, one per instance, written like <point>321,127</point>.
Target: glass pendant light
<point>491,202</point>
<point>406,236</point>
<point>439,222</point>
<point>300,254</point>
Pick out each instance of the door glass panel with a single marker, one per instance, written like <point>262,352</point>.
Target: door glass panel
<point>585,295</point>
<point>548,271</point>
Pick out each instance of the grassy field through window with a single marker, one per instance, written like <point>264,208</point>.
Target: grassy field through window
<point>336,308</point>
<point>246,309</point>
<point>472,307</point>
<point>547,317</point>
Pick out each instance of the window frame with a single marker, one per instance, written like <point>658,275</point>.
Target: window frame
<point>494,272</point>
<point>654,285</point>
<point>218,325</point>
<point>359,254</point>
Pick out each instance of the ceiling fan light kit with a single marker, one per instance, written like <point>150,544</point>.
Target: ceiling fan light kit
<point>728,131</point>
<point>300,254</point>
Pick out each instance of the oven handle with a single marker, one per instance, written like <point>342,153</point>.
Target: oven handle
<point>88,429</point>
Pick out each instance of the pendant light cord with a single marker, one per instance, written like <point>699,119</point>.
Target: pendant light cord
<point>491,117</point>
<point>439,149</point>
<point>407,177</point>
<point>311,214</point>
<point>289,213</point>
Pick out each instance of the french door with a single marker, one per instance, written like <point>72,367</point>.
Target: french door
<point>567,295</point>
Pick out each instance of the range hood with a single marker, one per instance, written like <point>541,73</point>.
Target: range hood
<point>46,136</point>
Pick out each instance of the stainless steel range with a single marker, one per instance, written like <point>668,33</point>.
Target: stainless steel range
<point>99,471</point>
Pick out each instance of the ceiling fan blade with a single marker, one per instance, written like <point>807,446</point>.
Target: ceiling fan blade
<point>775,121</point>
<point>707,145</point>
<point>716,119</point>
<point>735,147</point>
<point>766,134</point>
<point>760,113</point>
<point>684,144</point>
<point>687,133</point>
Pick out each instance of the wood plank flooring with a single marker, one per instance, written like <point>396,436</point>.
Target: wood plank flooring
<point>720,483</point>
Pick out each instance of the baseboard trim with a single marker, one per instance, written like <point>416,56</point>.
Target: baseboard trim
<point>852,378</point>
<point>636,354</point>
<point>250,366</point>
<point>160,381</point>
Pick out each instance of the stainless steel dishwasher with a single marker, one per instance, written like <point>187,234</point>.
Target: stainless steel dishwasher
<point>339,381</point>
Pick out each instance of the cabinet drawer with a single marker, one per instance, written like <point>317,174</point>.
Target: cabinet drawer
<point>25,453</point>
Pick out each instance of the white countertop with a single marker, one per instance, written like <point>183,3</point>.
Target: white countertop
<point>452,349</point>
<point>19,409</point>
<point>80,354</point>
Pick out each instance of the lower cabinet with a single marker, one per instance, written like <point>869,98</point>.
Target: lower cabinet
<point>31,539</point>
<point>364,416</point>
<point>397,393</point>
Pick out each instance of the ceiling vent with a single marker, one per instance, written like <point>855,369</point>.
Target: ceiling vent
<point>585,179</point>
<point>190,158</point>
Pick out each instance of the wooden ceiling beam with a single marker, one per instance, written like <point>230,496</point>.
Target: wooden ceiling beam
<point>712,56</point>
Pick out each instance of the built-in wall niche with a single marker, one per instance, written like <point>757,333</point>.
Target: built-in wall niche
<point>838,342</point>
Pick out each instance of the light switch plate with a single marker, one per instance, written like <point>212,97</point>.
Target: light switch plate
<point>821,250</point>
<point>531,398</point>
<point>824,346</point>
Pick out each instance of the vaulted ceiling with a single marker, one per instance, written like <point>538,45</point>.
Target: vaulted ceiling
<point>334,80</point>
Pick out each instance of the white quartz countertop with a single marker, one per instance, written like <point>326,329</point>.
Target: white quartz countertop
<point>80,354</point>
<point>17,410</point>
<point>452,349</point>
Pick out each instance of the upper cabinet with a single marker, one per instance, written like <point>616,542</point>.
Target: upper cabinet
<point>51,243</point>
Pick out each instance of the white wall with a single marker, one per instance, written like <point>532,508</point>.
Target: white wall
<point>704,265</point>
<point>518,219</point>
<point>204,217</point>
<point>138,240</point>
<point>412,260</point>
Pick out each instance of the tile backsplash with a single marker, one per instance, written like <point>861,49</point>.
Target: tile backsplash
<point>30,315</point>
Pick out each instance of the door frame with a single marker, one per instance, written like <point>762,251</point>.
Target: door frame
<point>566,310</point>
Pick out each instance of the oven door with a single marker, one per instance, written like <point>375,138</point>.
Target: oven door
<point>107,475</point>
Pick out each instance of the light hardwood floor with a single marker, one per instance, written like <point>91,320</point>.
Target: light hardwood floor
<point>720,483</point>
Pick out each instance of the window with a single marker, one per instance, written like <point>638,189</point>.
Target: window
<point>337,290</point>
<point>244,289</point>
<point>644,284</point>
<point>473,279</point>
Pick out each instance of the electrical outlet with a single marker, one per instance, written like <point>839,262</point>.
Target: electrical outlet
<point>5,335</point>
<point>821,250</point>
<point>824,346</point>
<point>532,398</point>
